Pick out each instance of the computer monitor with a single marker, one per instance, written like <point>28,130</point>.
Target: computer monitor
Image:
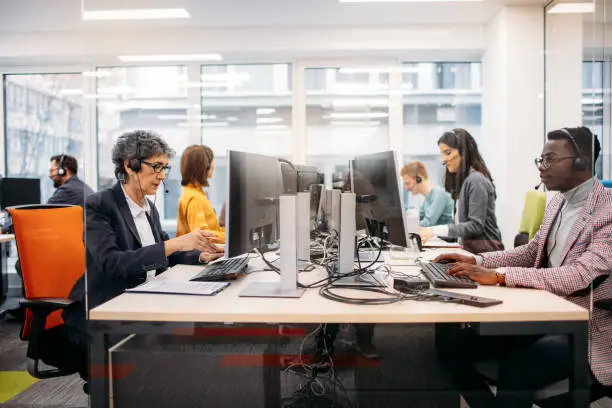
<point>316,193</point>
<point>290,176</point>
<point>378,189</point>
<point>307,176</point>
<point>19,191</point>
<point>359,220</point>
<point>255,185</point>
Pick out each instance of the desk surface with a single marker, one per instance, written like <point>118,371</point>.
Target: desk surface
<point>519,305</point>
<point>6,238</point>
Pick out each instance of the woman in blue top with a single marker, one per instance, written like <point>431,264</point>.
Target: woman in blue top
<point>437,209</point>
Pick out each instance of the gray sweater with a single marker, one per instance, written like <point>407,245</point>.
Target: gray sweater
<point>476,222</point>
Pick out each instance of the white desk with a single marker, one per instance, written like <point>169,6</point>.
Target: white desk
<point>519,305</point>
<point>523,311</point>
<point>6,238</point>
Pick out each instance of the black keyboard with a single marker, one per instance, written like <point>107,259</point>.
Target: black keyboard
<point>224,270</point>
<point>438,275</point>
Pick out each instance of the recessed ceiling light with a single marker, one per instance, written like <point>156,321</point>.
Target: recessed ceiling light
<point>265,111</point>
<point>169,57</point>
<point>356,115</point>
<point>135,14</point>
<point>407,1</point>
<point>560,8</point>
<point>268,120</point>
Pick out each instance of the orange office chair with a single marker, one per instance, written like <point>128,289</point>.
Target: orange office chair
<point>52,256</point>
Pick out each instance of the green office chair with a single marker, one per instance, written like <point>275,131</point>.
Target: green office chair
<point>533,214</point>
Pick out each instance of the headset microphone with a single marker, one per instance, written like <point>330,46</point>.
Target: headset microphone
<point>165,188</point>
<point>538,186</point>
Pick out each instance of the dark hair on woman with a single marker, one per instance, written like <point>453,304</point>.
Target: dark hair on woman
<point>195,164</point>
<point>461,140</point>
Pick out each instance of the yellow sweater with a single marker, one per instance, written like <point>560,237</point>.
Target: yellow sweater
<point>196,212</point>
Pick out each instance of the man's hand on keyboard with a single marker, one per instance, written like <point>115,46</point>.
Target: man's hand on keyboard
<point>476,273</point>
<point>455,258</point>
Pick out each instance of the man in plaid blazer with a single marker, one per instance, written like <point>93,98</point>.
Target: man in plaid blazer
<point>569,256</point>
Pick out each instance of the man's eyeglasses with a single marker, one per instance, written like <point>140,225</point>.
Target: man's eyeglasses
<point>546,162</point>
<point>158,167</point>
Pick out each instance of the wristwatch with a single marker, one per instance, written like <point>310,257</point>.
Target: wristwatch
<point>500,275</point>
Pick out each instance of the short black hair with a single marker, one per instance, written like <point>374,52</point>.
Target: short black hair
<point>67,162</point>
<point>588,143</point>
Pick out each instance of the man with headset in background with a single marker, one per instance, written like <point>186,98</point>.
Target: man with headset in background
<point>70,189</point>
<point>570,256</point>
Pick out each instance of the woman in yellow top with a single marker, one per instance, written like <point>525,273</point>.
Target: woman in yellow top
<point>194,210</point>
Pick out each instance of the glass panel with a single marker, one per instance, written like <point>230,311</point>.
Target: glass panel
<point>593,105</point>
<point>438,97</point>
<point>347,114</point>
<point>246,108</point>
<point>44,117</point>
<point>152,98</point>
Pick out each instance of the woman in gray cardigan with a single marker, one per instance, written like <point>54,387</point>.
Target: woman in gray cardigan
<point>469,182</point>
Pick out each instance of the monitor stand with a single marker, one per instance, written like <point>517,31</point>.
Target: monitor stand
<point>287,287</point>
<point>346,250</point>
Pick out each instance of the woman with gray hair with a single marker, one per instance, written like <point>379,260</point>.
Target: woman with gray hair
<point>124,239</point>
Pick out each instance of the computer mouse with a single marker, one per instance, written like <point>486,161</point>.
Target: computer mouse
<point>445,261</point>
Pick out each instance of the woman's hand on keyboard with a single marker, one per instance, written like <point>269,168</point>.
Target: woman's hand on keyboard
<point>206,257</point>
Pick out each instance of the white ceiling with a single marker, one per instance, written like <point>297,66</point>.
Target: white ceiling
<point>25,16</point>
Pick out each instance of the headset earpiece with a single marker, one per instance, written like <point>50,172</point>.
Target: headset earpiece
<point>61,171</point>
<point>134,164</point>
<point>419,180</point>
<point>579,163</point>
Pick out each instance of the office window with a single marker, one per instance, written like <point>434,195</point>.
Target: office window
<point>438,97</point>
<point>593,108</point>
<point>43,117</point>
<point>246,108</point>
<point>347,114</point>
<point>153,98</point>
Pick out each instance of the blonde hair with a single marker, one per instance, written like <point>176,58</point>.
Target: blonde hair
<point>414,169</point>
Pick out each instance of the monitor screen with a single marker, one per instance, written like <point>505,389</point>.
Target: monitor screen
<point>376,184</point>
<point>255,185</point>
<point>290,177</point>
<point>307,176</point>
<point>19,191</point>
<point>316,191</point>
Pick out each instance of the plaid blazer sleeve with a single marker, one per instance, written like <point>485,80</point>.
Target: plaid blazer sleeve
<point>523,256</point>
<point>589,257</point>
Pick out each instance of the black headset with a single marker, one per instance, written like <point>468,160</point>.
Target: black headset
<point>459,140</point>
<point>419,179</point>
<point>134,163</point>
<point>61,171</point>
<point>579,163</point>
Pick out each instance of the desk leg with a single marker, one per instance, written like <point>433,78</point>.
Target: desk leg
<point>580,376</point>
<point>99,371</point>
